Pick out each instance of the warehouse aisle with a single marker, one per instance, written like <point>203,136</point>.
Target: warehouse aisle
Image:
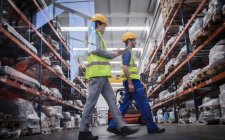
<point>173,132</point>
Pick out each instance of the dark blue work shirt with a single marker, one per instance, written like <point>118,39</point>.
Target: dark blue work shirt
<point>126,58</point>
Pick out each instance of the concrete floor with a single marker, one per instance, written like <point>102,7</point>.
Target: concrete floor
<point>173,132</point>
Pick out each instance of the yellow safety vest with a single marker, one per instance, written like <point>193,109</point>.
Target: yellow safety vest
<point>98,66</point>
<point>132,68</point>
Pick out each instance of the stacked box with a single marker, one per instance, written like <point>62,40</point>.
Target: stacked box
<point>195,29</point>
<point>222,100</point>
<point>217,54</point>
<point>22,113</point>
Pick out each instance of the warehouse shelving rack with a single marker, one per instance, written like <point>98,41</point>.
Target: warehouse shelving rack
<point>190,55</point>
<point>19,44</point>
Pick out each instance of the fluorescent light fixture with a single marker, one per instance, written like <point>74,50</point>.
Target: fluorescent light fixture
<point>125,28</point>
<point>109,49</point>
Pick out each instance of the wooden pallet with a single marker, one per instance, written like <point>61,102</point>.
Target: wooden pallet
<point>199,38</point>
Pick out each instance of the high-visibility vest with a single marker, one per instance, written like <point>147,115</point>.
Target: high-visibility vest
<point>98,66</point>
<point>132,68</point>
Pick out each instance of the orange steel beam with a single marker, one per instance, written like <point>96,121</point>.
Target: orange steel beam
<point>190,90</point>
<point>35,92</point>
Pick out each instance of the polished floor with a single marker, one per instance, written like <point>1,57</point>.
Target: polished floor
<point>173,132</point>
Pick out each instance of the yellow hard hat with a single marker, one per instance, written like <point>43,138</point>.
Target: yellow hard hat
<point>99,17</point>
<point>128,35</point>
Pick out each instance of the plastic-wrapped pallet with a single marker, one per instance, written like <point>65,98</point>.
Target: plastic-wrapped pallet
<point>22,111</point>
<point>169,44</point>
<point>196,28</point>
<point>21,38</point>
<point>58,69</point>
<point>169,65</point>
<point>215,7</point>
<point>66,115</point>
<point>210,109</point>
<point>77,120</point>
<point>54,115</point>
<point>69,123</point>
<point>44,123</point>
<point>222,88</point>
<point>189,104</point>
<point>79,103</point>
<point>46,59</point>
<point>181,56</point>
<point>217,54</point>
<point>46,90</point>
<point>171,117</point>
<point>222,103</point>
<point>152,67</point>
<point>160,116</point>
<point>56,93</point>
<point>160,78</point>
<point>162,94</point>
<point>21,77</point>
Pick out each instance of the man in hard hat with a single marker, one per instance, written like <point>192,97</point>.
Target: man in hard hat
<point>98,70</point>
<point>134,89</point>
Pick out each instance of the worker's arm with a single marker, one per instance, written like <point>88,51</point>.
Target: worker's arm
<point>129,80</point>
<point>126,60</point>
<point>104,53</point>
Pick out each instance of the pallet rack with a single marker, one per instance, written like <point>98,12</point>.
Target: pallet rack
<point>180,70</point>
<point>38,96</point>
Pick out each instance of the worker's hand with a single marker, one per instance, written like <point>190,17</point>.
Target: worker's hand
<point>115,54</point>
<point>119,51</point>
<point>131,87</point>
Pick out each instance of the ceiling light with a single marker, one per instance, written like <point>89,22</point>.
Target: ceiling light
<point>125,28</point>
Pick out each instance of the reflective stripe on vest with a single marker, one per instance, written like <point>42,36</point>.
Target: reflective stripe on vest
<point>132,68</point>
<point>98,66</point>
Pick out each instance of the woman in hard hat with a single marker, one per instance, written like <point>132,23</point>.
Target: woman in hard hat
<point>98,70</point>
<point>134,89</point>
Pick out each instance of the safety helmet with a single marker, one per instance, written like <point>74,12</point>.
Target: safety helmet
<point>128,35</point>
<point>99,17</point>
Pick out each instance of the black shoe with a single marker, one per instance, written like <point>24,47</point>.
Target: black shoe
<point>157,130</point>
<point>87,136</point>
<point>113,130</point>
<point>127,131</point>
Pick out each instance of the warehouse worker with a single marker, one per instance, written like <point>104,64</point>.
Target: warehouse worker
<point>134,89</point>
<point>98,70</point>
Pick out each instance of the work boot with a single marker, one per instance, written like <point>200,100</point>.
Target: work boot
<point>124,131</point>
<point>157,130</point>
<point>87,136</point>
<point>113,130</point>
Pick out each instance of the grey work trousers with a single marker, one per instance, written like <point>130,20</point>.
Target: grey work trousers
<point>100,85</point>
